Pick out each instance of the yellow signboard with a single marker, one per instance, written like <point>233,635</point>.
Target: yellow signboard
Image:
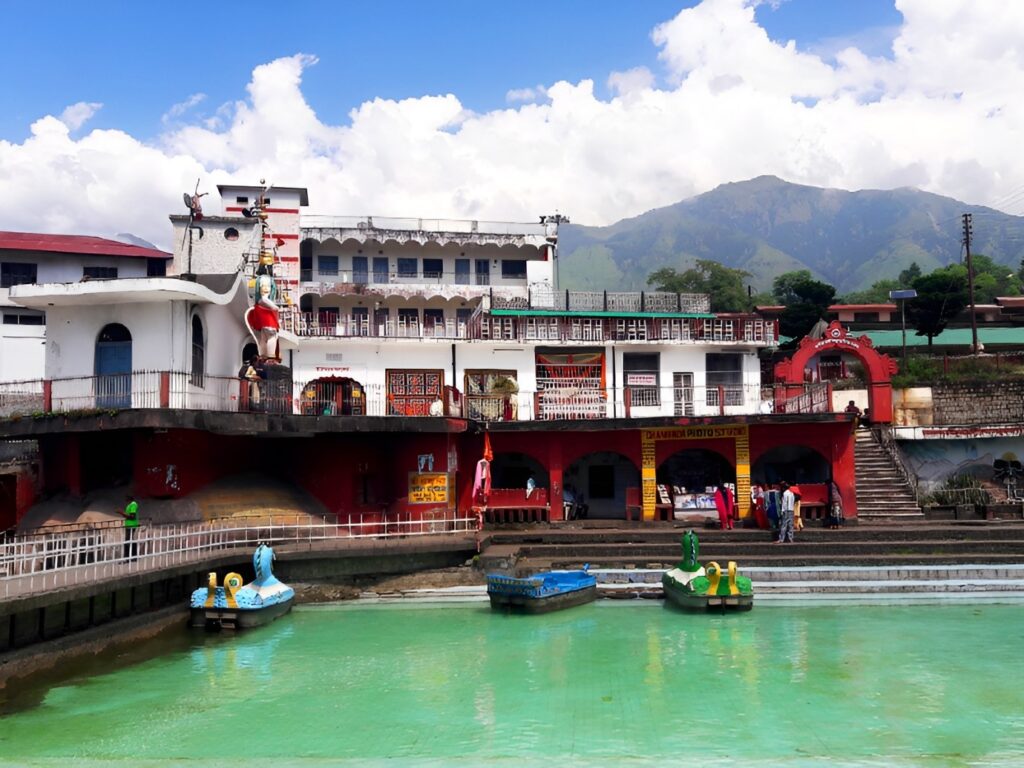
<point>429,488</point>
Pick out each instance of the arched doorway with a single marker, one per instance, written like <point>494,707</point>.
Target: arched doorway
<point>333,396</point>
<point>599,480</point>
<point>512,470</point>
<point>687,480</point>
<point>113,367</point>
<point>878,369</point>
<point>792,464</point>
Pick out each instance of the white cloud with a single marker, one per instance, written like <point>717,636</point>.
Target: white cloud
<point>538,93</point>
<point>179,109</point>
<point>77,115</point>
<point>943,112</point>
<point>631,81</point>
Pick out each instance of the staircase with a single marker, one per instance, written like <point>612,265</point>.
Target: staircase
<point>656,546</point>
<point>882,492</point>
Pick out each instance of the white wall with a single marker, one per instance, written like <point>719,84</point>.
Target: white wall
<point>22,352</point>
<point>213,253</point>
<point>66,268</point>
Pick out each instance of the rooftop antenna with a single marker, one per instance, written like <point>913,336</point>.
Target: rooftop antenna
<point>195,213</point>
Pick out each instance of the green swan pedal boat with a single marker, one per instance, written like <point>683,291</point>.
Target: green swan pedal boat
<point>706,588</point>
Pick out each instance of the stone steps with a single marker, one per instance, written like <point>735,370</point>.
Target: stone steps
<point>882,493</point>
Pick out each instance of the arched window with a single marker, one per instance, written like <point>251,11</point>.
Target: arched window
<point>198,352</point>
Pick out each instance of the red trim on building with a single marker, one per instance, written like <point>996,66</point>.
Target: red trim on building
<point>288,258</point>
<point>272,236</point>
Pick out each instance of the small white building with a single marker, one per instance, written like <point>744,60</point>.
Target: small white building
<point>28,258</point>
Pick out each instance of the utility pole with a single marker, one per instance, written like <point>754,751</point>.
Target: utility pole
<point>968,231</point>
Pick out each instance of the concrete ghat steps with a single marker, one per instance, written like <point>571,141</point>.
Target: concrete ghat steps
<point>882,493</point>
<point>968,582</point>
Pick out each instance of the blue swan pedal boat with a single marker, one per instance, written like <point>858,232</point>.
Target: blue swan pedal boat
<point>541,593</point>
<point>233,606</point>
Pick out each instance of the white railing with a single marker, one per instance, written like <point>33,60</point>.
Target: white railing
<point>458,226</point>
<point>39,562</point>
<point>331,324</point>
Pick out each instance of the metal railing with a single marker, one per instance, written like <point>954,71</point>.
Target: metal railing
<point>456,226</point>
<point>336,325</point>
<point>547,298</point>
<point>883,435</point>
<point>816,398</point>
<point>42,560</point>
<point>745,330</point>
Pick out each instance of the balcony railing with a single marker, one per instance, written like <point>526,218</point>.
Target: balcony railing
<point>456,226</point>
<point>549,299</point>
<point>330,324</point>
<point>327,397</point>
<point>747,330</point>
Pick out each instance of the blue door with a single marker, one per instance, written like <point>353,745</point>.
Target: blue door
<point>462,271</point>
<point>113,368</point>
<point>380,269</point>
<point>360,270</point>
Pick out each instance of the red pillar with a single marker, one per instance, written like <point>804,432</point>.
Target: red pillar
<point>557,509</point>
<point>47,396</point>
<point>844,469</point>
<point>165,389</point>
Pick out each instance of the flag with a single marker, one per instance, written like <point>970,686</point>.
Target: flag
<point>488,453</point>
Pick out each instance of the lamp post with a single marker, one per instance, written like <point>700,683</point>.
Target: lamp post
<point>902,296</point>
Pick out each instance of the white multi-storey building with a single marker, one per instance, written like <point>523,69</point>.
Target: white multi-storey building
<point>401,316</point>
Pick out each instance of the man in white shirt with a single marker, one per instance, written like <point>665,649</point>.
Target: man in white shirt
<point>786,515</point>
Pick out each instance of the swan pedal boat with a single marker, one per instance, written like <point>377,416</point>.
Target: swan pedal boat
<point>233,606</point>
<point>706,588</point>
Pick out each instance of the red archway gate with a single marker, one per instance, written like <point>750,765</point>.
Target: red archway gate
<point>739,433</point>
<point>879,368</point>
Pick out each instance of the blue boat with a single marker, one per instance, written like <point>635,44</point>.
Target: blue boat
<point>233,606</point>
<point>541,593</point>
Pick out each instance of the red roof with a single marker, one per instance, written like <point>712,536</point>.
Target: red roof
<point>77,244</point>
<point>863,307</point>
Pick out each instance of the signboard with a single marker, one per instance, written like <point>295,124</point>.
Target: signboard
<point>429,488</point>
<point>641,379</point>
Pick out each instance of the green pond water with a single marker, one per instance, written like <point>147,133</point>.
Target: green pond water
<point>604,684</point>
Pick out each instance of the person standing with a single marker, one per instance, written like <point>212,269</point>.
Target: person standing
<point>798,520</point>
<point>757,504</point>
<point>835,506</point>
<point>723,503</point>
<point>131,528</point>
<point>786,516</point>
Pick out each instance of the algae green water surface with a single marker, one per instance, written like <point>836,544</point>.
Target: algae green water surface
<point>604,684</point>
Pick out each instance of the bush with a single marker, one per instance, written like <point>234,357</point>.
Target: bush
<point>958,489</point>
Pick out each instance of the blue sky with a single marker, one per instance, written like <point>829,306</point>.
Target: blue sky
<point>499,110</point>
<point>140,58</point>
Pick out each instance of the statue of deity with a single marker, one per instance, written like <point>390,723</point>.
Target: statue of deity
<point>263,318</point>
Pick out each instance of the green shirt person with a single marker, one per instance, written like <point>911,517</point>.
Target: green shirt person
<point>131,513</point>
<point>131,528</point>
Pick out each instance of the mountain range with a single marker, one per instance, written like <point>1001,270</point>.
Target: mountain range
<point>768,226</point>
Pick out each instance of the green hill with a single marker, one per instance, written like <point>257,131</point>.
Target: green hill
<point>768,226</point>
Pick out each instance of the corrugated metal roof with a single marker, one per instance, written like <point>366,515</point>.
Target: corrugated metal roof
<point>951,337</point>
<point>83,245</point>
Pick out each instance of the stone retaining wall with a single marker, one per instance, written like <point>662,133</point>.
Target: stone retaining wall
<point>997,402</point>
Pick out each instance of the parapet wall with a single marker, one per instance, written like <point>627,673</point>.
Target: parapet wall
<point>995,402</point>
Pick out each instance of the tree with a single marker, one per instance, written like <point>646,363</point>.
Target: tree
<point>724,285</point>
<point>876,294</point>
<point>909,275</point>
<point>941,296</point>
<point>806,300</point>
